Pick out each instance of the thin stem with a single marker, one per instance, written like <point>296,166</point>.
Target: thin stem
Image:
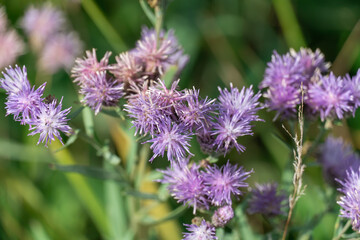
<point>299,167</point>
<point>345,228</point>
<point>103,25</point>
<point>148,12</point>
<point>158,23</point>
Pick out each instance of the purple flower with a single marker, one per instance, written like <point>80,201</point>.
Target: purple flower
<point>204,231</point>
<point>196,113</point>
<point>350,201</point>
<point>89,65</point>
<point>223,182</point>
<point>222,216</point>
<point>336,157</point>
<point>23,101</point>
<point>311,61</point>
<point>49,121</point>
<point>100,90</point>
<point>173,139</point>
<point>267,200</point>
<point>330,97</point>
<point>128,69</point>
<point>235,102</point>
<point>158,56</point>
<point>170,98</point>
<point>42,23</point>
<point>146,111</point>
<point>186,184</point>
<point>353,84</point>
<point>11,46</point>
<point>227,129</point>
<point>60,52</point>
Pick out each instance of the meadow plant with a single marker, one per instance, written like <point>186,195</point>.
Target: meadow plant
<point>141,87</point>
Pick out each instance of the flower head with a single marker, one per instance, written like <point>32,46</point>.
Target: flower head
<point>60,52</point>
<point>221,183</point>
<point>172,138</point>
<point>11,46</point>
<point>158,56</point>
<point>267,200</point>
<point>204,231</point>
<point>330,97</point>
<point>350,201</point>
<point>15,80</point>
<point>100,90</point>
<point>353,84</point>
<point>186,184</point>
<point>49,121</point>
<point>89,65</point>
<point>335,157</point>
<point>222,216</point>
<point>42,23</point>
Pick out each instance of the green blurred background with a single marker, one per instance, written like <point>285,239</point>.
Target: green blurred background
<point>227,41</point>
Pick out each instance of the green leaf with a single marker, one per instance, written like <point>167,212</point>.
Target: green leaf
<point>243,225</point>
<point>172,215</point>
<point>148,12</point>
<point>114,112</point>
<point>169,75</point>
<point>70,140</point>
<point>76,113</point>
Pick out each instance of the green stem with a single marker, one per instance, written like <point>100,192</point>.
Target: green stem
<point>104,25</point>
<point>158,23</point>
<point>148,12</point>
<point>345,228</point>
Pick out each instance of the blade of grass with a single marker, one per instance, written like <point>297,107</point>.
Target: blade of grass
<point>289,24</point>
<point>104,25</point>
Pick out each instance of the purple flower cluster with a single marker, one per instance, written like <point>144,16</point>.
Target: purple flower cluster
<point>267,200</point>
<point>336,157</point>
<point>350,201</point>
<point>29,107</point>
<point>11,45</point>
<point>326,95</point>
<point>201,188</point>
<point>45,27</point>
<point>203,231</point>
<point>149,60</point>
<point>222,216</point>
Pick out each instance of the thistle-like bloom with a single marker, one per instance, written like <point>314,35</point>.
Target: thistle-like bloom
<point>222,216</point>
<point>172,138</point>
<point>23,100</point>
<point>237,109</point>
<point>335,157</point>
<point>60,52</point>
<point>245,102</point>
<point>353,84</point>
<point>89,65</point>
<point>49,121</point>
<point>158,56</point>
<point>222,183</point>
<point>267,200</point>
<point>146,111</point>
<point>204,231</point>
<point>186,184</point>
<point>128,69</point>
<point>195,112</point>
<point>330,97</point>
<point>350,202</point>
<point>11,46</point>
<point>100,90</point>
<point>42,23</point>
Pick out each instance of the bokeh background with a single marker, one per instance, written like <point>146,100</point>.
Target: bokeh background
<point>227,41</point>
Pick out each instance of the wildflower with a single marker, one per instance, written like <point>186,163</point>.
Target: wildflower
<point>159,55</point>
<point>89,65</point>
<point>11,46</point>
<point>171,138</point>
<point>222,216</point>
<point>267,200</point>
<point>100,90</point>
<point>196,112</point>
<point>336,157</point>
<point>49,121</point>
<point>41,24</point>
<point>60,52</point>
<point>350,201</point>
<point>330,97</point>
<point>222,183</point>
<point>23,100</point>
<point>204,231</point>
<point>353,84</point>
<point>186,184</point>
